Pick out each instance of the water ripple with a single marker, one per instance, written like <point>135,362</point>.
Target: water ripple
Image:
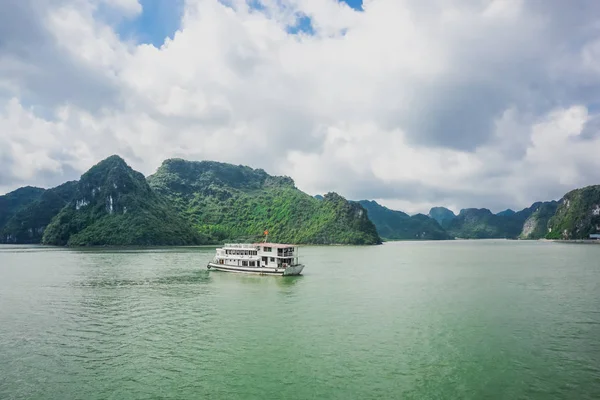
<point>424,321</point>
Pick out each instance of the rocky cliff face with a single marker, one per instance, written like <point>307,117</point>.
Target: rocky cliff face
<point>530,226</point>
<point>114,205</point>
<point>577,216</point>
<point>536,225</point>
<point>529,223</point>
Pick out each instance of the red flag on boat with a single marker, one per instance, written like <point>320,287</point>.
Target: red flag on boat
<point>266,232</point>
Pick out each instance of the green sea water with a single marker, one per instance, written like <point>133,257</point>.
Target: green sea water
<point>410,320</point>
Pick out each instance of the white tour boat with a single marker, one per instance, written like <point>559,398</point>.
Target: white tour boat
<point>259,258</point>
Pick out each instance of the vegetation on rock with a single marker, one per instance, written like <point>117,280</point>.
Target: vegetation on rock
<point>28,224</point>
<point>228,202</point>
<point>442,215</point>
<point>506,213</point>
<point>481,223</point>
<point>396,225</point>
<point>577,216</point>
<point>536,226</point>
<point>113,205</point>
<point>473,223</point>
<point>205,202</point>
<point>12,202</point>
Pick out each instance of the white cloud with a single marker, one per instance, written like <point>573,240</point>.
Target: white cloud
<point>94,44</point>
<point>129,8</point>
<point>458,103</point>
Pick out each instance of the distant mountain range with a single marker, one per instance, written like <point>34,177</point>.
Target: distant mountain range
<point>396,225</point>
<point>190,202</point>
<point>472,223</point>
<point>183,203</point>
<point>575,216</point>
<point>481,223</point>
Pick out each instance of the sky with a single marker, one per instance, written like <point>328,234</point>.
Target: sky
<point>456,103</point>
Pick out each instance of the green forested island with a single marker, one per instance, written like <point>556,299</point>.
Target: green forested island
<point>396,225</point>
<point>113,205</point>
<point>224,201</point>
<point>481,223</point>
<point>183,203</point>
<point>205,202</point>
<point>577,215</point>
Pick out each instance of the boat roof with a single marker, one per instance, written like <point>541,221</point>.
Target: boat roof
<point>275,245</point>
<point>254,245</point>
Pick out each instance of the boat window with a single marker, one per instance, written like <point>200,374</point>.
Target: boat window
<point>267,249</point>
<point>272,258</point>
<point>244,263</point>
<point>252,264</point>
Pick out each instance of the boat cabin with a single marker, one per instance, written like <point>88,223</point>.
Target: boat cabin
<point>265,255</point>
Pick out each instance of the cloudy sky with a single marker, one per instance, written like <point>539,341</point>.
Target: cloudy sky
<point>461,103</point>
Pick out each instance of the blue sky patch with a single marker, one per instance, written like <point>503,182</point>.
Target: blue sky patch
<point>303,25</point>
<point>256,5</point>
<point>159,19</point>
<point>162,18</point>
<point>356,4</point>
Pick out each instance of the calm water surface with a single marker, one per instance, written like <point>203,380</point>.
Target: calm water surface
<point>455,320</point>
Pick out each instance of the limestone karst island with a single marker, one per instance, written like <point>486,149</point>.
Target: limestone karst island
<point>205,202</point>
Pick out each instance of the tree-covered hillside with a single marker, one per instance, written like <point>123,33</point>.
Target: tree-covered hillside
<point>229,202</point>
<point>506,213</point>
<point>442,215</point>
<point>187,202</point>
<point>28,224</point>
<point>113,205</point>
<point>480,223</point>
<point>16,200</point>
<point>536,226</point>
<point>396,225</point>
<point>577,216</point>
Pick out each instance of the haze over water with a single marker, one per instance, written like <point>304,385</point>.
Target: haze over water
<point>411,320</point>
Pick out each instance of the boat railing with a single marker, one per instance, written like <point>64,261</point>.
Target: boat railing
<point>238,256</point>
<point>240,245</point>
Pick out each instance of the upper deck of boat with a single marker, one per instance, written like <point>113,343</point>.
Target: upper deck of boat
<point>255,245</point>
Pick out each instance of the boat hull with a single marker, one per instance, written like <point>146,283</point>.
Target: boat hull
<point>289,271</point>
